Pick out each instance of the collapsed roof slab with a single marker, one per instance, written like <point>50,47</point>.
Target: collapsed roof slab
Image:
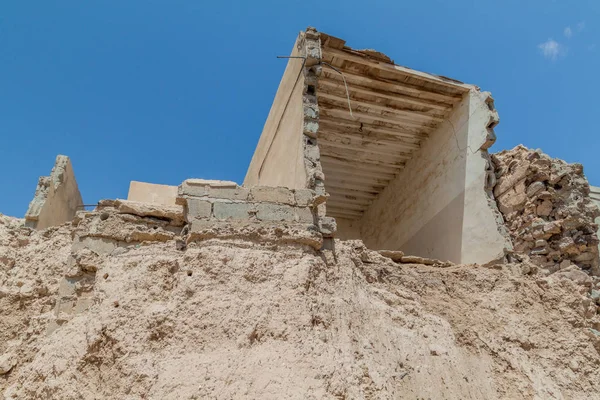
<point>402,154</point>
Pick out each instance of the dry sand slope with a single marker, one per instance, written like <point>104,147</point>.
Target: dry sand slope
<point>238,318</point>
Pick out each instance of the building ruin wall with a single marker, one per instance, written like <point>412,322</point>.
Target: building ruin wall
<point>437,206</point>
<point>57,197</point>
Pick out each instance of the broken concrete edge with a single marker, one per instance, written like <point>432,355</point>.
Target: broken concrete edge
<point>57,198</point>
<point>490,177</point>
<point>310,42</point>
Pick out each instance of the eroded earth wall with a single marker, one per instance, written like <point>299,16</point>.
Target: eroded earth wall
<point>57,197</point>
<point>548,209</point>
<point>125,302</point>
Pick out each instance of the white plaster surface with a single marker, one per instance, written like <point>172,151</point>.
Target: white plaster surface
<point>437,206</point>
<point>279,156</point>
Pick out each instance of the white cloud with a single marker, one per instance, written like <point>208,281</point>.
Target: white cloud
<point>551,49</point>
<point>568,32</point>
<point>580,26</point>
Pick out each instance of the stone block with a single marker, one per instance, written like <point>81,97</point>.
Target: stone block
<point>303,197</point>
<point>232,210</point>
<point>229,193</point>
<point>275,212</point>
<point>327,226</point>
<point>304,215</point>
<point>197,208</point>
<point>210,183</point>
<point>187,189</point>
<point>272,195</point>
<point>152,193</point>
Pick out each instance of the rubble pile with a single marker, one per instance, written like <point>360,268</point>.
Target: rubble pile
<point>548,212</point>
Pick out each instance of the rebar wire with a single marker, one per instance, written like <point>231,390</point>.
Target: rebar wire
<point>91,205</point>
<point>345,84</point>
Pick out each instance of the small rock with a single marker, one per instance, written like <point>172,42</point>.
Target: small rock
<point>574,365</point>
<point>544,209</point>
<point>565,264</point>
<point>576,275</point>
<point>7,362</point>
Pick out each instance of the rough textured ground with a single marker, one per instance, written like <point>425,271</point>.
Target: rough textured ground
<point>238,318</point>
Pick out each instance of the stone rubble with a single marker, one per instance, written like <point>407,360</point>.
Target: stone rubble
<point>548,212</point>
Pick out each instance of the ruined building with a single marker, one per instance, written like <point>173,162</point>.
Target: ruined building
<point>467,275</point>
<point>357,147</point>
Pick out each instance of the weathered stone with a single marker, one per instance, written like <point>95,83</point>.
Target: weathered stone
<point>544,209</point>
<point>327,226</point>
<point>576,275</point>
<point>210,183</point>
<point>395,255</point>
<point>303,197</point>
<point>311,128</point>
<point>512,201</point>
<point>232,210</point>
<point>588,256</point>
<point>312,152</point>
<point>565,264</point>
<point>505,184</point>
<point>424,261</point>
<point>174,213</point>
<point>272,195</point>
<point>567,245</point>
<point>535,188</point>
<point>197,208</point>
<point>552,227</point>
<point>230,193</point>
<point>539,251</point>
<point>186,189</point>
<point>304,215</point>
<point>275,212</point>
<point>263,232</point>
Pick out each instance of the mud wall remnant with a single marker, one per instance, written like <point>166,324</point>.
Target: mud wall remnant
<point>548,209</point>
<point>57,197</point>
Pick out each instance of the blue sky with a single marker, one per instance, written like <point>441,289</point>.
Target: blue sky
<point>161,91</point>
